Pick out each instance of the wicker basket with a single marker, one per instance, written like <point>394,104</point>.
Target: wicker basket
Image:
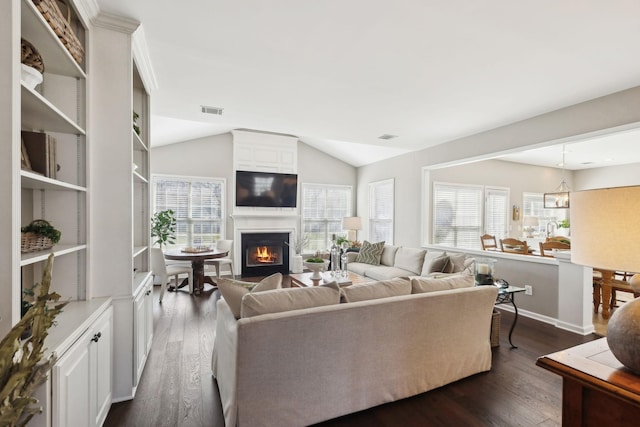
<point>61,26</point>
<point>495,329</point>
<point>30,56</point>
<point>31,242</point>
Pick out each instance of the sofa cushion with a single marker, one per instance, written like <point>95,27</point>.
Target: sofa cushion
<point>233,290</point>
<point>382,272</point>
<point>410,259</point>
<point>286,299</point>
<point>358,267</point>
<point>425,284</point>
<point>457,262</point>
<point>370,253</point>
<point>434,262</point>
<point>388,255</point>
<point>375,290</point>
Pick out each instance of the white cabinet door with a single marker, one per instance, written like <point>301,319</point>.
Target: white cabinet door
<point>149,314</point>
<point>71,389</point>
<point>101,356</point>
<point>143,312</point>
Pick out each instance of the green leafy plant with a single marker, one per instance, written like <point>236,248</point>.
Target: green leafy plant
<point>315,260</point>
<point>563,224</point>
<point>42,227</point>
<point>136,128</point>
<point>21,367</point>
<point>163,227</point>
<point>340,240</point>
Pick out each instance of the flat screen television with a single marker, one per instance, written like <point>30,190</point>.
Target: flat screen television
<point>266,189</point>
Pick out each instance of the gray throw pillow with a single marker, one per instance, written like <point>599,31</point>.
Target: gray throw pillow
<point>439,264</point>
<point>370,253</point>
<point>233,290</point>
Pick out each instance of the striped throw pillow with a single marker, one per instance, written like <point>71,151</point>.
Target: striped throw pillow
<point>370,253</point>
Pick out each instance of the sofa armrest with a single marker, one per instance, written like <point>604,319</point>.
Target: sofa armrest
<point>352,256</point>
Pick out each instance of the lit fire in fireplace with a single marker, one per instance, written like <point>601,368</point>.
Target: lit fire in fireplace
<point>264,255</point>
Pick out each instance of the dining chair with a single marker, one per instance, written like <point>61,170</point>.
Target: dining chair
<point>514,246</point>
<point>608,287</point>
<point>488,242</point>
<point>550,245</point>
<point>218,263</point>
<point>160,269</point>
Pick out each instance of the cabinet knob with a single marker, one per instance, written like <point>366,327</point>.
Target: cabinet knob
<point>148,292</point>
<point>96,337</point>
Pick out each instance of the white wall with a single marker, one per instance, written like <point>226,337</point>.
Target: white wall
<point>612,176</point>
<point>212,156</point>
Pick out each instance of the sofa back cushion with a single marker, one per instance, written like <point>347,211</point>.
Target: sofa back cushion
<point>370,253</point>
<point>286,299</point>
<point>388,255</point>
<point>434,262</point>
<point>410,259</point>
<point>233,290</point>
<point>457,262</point>
<point>425,284</point>
<point>375,290</point>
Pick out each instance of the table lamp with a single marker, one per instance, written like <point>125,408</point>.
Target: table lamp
<point>529,223</point>
<point>351,224</point>
<point>605,234</point>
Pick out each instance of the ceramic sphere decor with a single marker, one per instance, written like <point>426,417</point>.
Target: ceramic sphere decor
<point>316,267</point>
<point>623,331</point>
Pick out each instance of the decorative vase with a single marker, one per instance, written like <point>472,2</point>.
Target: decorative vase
<point>296,263</point>
<point>316,268</point>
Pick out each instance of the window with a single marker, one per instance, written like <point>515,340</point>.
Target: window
<point>462,213</point>
<point>323,207</point>
<point>198,204</point>
<point>533,205</point>
<point>381,211</point>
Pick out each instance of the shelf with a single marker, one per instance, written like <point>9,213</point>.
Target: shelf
<point>56,57</point>
<point>38,114</point>
<point>39,182</point>
<point>58,250</point>
<point>139,178</point>
<point>138,144</point>
<point>138,250</point>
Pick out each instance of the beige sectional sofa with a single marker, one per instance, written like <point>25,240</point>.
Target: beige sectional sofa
<point>398,261</point>
<point>299,356</point>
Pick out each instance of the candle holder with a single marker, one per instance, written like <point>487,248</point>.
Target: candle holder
<point>483,271</point>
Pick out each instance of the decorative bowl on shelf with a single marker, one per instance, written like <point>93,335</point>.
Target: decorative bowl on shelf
<point>316,268</point>
<point>30,76</point>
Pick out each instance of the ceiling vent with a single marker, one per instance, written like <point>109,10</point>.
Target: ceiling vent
<point>212,110</point>
<point>387,136</point>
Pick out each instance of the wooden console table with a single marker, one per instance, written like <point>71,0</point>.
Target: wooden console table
<point>596,389</point>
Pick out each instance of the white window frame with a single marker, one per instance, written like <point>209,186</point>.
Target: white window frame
<point>330,224</point>
<point>533,205</point>
<point>379,223</point>
<point>189,220</point>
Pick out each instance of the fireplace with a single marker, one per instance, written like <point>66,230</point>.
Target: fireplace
<point>264,253</point>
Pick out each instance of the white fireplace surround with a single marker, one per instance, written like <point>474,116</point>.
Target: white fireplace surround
<point>261,223</point>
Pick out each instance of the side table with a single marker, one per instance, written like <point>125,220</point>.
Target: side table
<point>507,296</point>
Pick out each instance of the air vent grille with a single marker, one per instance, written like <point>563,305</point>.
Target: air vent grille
<point>212,110</point>
<point>387,136</point>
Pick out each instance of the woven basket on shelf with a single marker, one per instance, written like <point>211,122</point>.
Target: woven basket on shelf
<point>61,26</point>
<point>30,56</point>
<point>31,242</point>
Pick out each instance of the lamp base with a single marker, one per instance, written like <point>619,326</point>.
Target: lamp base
<point>623,334</point>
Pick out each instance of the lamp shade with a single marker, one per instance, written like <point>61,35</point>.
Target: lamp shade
<point>351,223</point>
<point>530,221</point>
<point>605,228</point>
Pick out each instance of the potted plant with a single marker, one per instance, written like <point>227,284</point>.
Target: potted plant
<point>163,228</point>
<point>564,228</point>
<point>39,235</point>
<point>21,367</point>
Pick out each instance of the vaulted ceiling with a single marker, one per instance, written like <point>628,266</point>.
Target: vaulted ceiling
<point>340,74</point>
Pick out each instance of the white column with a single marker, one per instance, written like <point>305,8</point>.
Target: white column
<point>575,296</point>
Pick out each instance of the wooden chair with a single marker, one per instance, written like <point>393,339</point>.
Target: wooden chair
<point>562,239</point>
<point>549,245</point>
<point>488,242</point>
<point>608,287</point>
<point>514,246</point>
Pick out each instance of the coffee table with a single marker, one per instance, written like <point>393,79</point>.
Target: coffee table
<point>302,280</point>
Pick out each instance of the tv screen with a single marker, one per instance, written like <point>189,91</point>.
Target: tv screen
<point>266,189</point>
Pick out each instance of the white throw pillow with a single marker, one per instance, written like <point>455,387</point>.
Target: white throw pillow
<point>410,259</point>
<point>278,300</point>
<point>388,255</point>
<point>233,290</point>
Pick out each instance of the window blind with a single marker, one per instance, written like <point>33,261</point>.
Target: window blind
<point>457,215</point>
<point>381,206</point>
<point>198,206</point>
<point>323,207</point>
<point>496,212</point>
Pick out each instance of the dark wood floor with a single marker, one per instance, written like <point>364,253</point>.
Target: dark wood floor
<point>177,388</point>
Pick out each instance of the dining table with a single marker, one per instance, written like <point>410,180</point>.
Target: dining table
<point>197,257</point>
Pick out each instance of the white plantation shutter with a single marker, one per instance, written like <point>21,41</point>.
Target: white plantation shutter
<point>457,215</point>
<point>381,205</point>
<point>533,205</point>
<point>323,207</point>
<point>197,204</point>
<point>496,212</point>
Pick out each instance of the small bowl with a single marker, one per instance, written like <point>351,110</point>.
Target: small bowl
<point>30,76</point>
<point>316,268</point>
